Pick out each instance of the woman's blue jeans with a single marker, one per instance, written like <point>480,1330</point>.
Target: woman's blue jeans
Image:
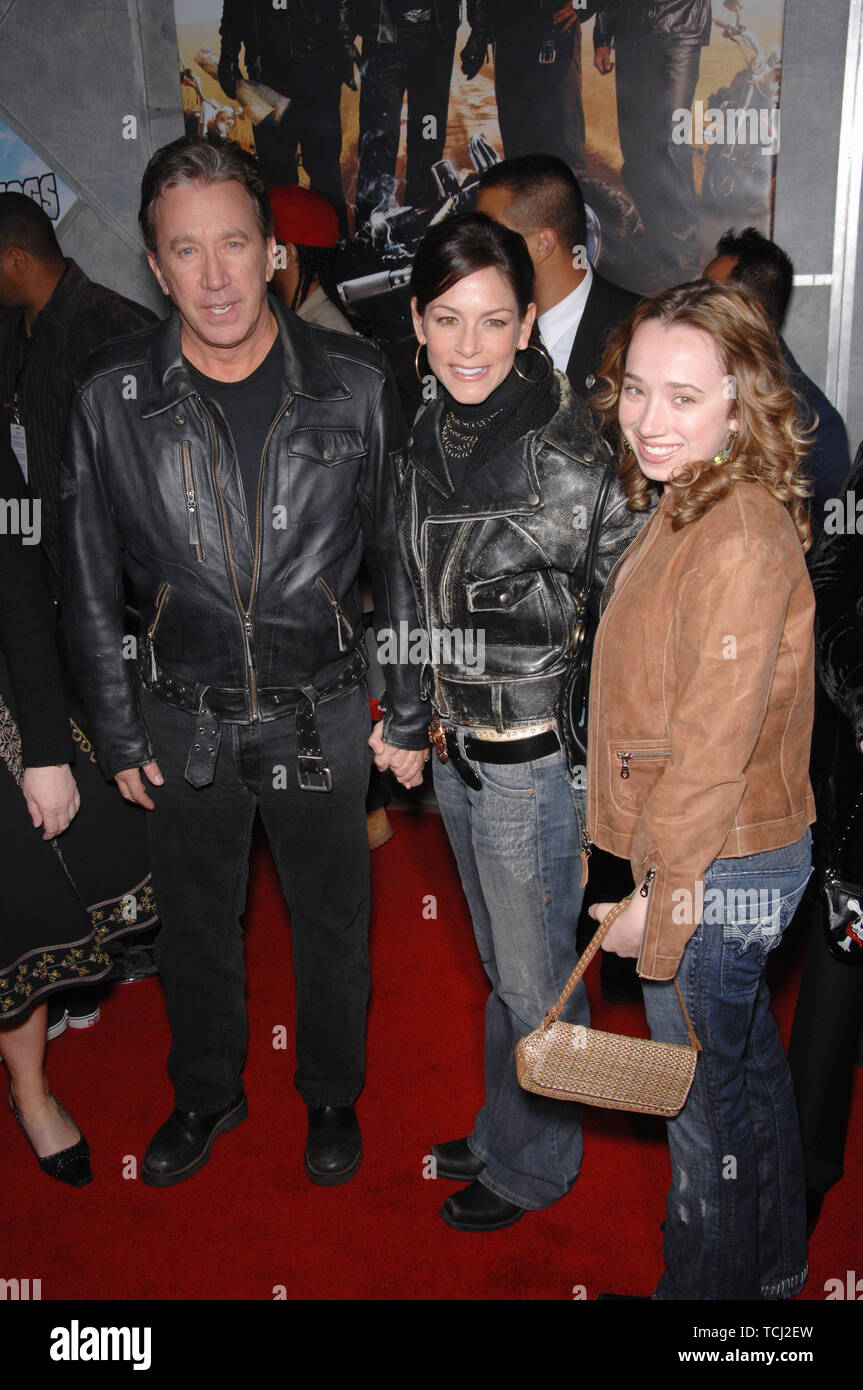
<point>517,843</point>
<point>735,1224</point>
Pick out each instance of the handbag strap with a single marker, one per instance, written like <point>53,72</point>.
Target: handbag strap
<point>583,962</point>
<point>596,526</point>
<point>836,852</point>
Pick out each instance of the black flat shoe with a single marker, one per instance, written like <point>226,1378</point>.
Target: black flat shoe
<point>183,1144</point>
<point>477,1208</point>
<point>71,1165</point>
<point>455,1160</point>
<point>334,1147</point>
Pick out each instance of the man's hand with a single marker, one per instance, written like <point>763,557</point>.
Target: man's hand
<point>132,787</point>
<point>474,54</point>
<point>624,939</point>
<point>566,17</point>
<point>52,797</point>
<point>602,61</point>
<point>229,74</point>
<point>407,765</point>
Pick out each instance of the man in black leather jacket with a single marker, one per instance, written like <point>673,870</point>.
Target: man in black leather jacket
<point>236,462</point>
<point>658,45</point>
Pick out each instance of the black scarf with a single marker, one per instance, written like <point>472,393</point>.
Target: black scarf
<point>470,434</point>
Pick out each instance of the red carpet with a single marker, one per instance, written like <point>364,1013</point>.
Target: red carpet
<point>250,1225</point>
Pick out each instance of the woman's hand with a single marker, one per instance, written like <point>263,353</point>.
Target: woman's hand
<point>406,765</point>
<point>52,797</point>
<point>624,939</point>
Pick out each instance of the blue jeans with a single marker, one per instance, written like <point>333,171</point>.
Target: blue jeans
<point>735,1224</point>
<point>517,843</point>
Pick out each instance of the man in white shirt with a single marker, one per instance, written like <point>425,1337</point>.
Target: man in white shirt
<point>538,195</point>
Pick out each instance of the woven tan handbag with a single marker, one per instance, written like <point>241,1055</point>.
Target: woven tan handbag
<point>567,1061</point>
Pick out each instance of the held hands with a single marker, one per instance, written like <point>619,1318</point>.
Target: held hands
<point>52,797</point>
<point>406,765</point>
<point>132,787</point>
<point>624,939</point>
<point>602,61</point>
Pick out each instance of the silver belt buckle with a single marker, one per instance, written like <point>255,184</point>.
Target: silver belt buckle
<point>417,16</point>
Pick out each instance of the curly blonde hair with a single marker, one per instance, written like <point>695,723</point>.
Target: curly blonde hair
<point>770,443</point>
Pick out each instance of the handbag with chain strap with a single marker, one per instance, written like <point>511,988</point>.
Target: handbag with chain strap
<point>567,1061</point>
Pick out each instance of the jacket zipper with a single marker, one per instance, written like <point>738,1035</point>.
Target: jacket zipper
<point>342,619</point>
<point>245,613</point>
<point>456,545</point>
<point>648,879</point>
<point>626,758</point>
<point>195,540</point>
<point>161,599</point>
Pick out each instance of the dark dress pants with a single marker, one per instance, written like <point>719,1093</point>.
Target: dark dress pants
<point>539,106</point>
<point>200,841</point>
<point>313,122</point>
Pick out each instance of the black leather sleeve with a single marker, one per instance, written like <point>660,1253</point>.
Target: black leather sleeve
<point>406,716</point>
<point>93,605</point>
<point>836,571</point>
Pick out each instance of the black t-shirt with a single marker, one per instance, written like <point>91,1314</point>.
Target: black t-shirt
<point>248,406</point>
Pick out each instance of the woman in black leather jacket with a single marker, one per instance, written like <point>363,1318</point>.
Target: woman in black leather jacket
<point>498,485</point>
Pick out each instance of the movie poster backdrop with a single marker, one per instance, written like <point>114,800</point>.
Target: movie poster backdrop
<point>667,111</point>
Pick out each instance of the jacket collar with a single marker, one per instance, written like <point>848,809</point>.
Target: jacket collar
<point>566,431</point>
<point>55,318</point>
<point>307,367</point>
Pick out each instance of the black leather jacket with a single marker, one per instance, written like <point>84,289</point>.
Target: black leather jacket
<point>375,19</point>
<point>305,28</point>
<point>499,559</point>
<point>682,19</point>
<point>240,612</point>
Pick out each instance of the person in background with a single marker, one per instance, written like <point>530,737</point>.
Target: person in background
<point>749,259</point>
<point>499,481</point>
<point>307,230</point>
<point>701,702</point>
<point>826,1032</point>
<point>47,940</point>
<point>57,318</point>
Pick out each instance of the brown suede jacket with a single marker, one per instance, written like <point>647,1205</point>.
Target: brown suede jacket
<point>701,705</point>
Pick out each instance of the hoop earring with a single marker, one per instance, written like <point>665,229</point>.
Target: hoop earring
<point>420,377</point>
<point>549,365</point>
<point>725,452</point>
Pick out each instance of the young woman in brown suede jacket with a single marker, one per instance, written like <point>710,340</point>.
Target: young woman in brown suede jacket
<point>700,722</point>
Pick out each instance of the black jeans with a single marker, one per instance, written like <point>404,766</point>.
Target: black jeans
<point>419,63</point>
<point>539,105</point>
<point>656,76</point>
<point>199,845</point>
<point>313,122</point>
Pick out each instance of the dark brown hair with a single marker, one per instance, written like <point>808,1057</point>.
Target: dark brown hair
<point>192,158</point>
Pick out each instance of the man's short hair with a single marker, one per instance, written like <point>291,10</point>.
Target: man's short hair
<point>763,267</point>
<point>25,225</point>
<point>545,194</point>
<point>193,158</point>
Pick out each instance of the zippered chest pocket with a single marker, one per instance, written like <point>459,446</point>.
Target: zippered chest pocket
<point>635,767</point>
<point>323,467</point>
<point>192,501</point>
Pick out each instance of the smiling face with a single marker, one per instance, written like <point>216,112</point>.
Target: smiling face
<point>675,406</point>
<point>472,333</point>
<point>214,263</point>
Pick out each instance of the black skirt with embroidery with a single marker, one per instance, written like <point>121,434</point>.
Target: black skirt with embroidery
<point>62,901</point>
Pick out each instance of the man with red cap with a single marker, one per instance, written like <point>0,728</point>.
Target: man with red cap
<point>307,230</point>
